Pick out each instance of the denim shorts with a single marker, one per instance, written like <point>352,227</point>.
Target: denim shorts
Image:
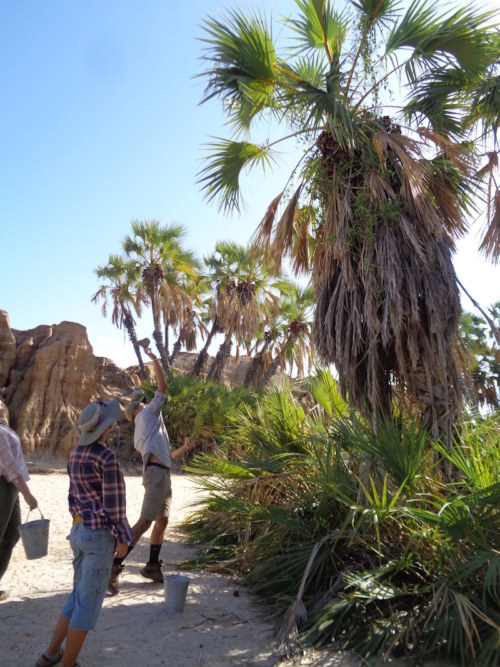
<point>157,493</point>
<point>93,552</point>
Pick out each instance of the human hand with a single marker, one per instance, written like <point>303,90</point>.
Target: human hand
<point>31,501</point>
<point>190,442</point>
<point>121,549</point>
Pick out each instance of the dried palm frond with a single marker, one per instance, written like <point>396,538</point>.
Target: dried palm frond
<point>296,612</point>
<point>283,237</point>
<point>458,153</point>
<point>490,243</point>
<point>264,230</point>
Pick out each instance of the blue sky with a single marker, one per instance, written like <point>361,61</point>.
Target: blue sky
<point>100,124</point>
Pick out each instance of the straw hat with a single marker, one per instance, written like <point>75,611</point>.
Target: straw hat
<point>95,419</point>
<point>136,399</point>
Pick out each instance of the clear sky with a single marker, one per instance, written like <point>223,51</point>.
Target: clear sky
<point>100,123</point>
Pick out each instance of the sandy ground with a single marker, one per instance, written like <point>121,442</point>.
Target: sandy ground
<point>221,624</point>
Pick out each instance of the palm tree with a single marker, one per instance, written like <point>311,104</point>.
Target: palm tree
<point>243,295</point>
<point>219,279</point>
<point>381,191</point>
<point>296,331</point>
<point>286,338</point>
<point>118,277</point>
<point>163,264</point>
<point>483,367</point>
<point>190,323</point>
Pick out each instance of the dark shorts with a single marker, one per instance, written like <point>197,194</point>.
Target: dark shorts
<point>157,493</point>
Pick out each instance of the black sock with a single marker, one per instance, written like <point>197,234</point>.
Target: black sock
<point>154,553</point>
<point>119,561</point>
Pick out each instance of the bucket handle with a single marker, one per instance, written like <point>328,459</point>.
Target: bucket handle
<point>29,511</point>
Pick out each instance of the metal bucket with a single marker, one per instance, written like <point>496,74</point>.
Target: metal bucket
<point>35,537</point>
<point>176,587</point>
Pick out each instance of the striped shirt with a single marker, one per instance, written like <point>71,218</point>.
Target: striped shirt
<point>97,490</point>
<point>12,463</point>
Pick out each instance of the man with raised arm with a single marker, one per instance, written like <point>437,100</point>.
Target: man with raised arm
<point>151,440</point>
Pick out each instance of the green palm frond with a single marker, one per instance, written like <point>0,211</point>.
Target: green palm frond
<point>220,467</point>
<point>242,65</point>
<point>486,104</point>
<point>438,96</point>
<point>373,12</point>
<point>476,459</point>
<point>464,37</point>
<point>220,177</point>
<point>319,27</point>
<point>319,97</point>
<point>326,392</point>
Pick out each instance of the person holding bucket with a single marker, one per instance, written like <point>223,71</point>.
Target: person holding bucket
<point>151,440</point>
<point>100,528</point>
<point>13,479</point>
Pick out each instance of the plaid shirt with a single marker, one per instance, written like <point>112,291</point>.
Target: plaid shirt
<point>97,490</point>
<point>12,463</point>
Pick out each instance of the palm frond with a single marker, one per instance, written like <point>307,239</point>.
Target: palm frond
<point>319,27</point>
<point>220,178</point>
<point>465,37</point>
<point>242,61</point>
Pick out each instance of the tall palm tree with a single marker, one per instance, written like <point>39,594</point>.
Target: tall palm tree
<point>381,191</point>
<point>295,347</point>
<point>242,296</point>
<point>190,322</point>
<point>118,277</point>
<point>158,254</point>
<point>218,279</point>
<point>483,368</point>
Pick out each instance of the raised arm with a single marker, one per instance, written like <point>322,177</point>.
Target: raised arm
<point>160,376</point>
<point>189,444</point>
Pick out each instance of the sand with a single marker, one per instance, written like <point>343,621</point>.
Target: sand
<point>221,624</point>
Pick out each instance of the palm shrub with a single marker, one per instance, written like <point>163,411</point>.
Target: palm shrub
<point>351,535</point>
<point>200,408</point>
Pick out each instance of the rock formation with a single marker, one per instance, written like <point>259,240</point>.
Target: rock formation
<point>50,374</point>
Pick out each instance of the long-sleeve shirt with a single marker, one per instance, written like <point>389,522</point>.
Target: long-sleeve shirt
<point>97,490</point>
<point>12,464</point>
<point>150,433</point>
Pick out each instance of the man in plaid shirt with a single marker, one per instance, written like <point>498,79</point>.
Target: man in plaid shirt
<point>97,491</point>
<point>13,479</point>
<point>100,528</point>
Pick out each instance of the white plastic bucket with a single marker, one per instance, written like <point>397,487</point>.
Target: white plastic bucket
<point>176,587</point>
<point>35,537</point>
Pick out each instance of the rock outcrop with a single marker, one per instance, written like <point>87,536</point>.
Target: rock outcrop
<point>51,377</point>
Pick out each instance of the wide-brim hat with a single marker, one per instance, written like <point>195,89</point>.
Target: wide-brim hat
<point>95,419</point>
<point>136,399</point>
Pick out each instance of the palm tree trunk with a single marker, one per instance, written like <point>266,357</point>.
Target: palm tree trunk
<point>276,362</point>
<point>158,338</point>
<point>175,351</point>
<point>215,370</point>
<point>166,338</point>
<point>128,322</point>
<point>202,357</point>
<point>254,372</point>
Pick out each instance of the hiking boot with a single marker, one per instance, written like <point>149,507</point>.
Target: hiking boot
<point>113,584</point>
<point>153,571</point>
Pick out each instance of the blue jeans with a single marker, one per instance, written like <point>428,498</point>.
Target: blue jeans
<point>93,552</point>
